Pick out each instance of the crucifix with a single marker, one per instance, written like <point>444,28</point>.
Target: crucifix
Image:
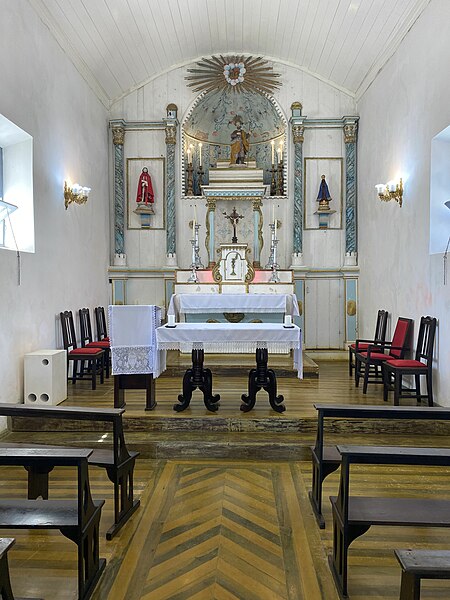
<point>234,217</point>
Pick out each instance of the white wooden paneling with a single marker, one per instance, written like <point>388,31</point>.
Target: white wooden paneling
<point>120,45</point>
<point>324,314</point>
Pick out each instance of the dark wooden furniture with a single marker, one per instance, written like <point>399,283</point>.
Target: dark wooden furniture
<point>373,358</point>
<point>199,377</point>
<point>117,460</point>
<point>354,515</point>
<point>326,459</point>
<point>86,337</point>
<point>134,382</point>
<point>100,321</point>
<point>93,356</point>
<point>6,592</point>
<point>395,370</point>
<point>421,564</point>
<point>77,519</point>
<point>362,344</point>
<point>262,378</point>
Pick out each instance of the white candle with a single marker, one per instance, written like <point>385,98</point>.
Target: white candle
<point>200,153</point>
<point>276,226</point>
<point>273,213</point>
<point>195,213</point>
<point>273,150</point>
<point>280,153</point>
<point>287,320</point>
<point>189,156</point>
<point>171,320</point>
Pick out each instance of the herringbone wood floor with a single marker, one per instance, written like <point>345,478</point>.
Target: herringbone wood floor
<point>230,530</point>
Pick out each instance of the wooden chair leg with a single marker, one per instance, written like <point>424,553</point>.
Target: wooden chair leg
<point>366,378</point>
<point>93,364</point>
<point>74,371</point>
<point>357,371</point>
<point>397,388</point>
<point>418,395</point>
<point>350,364</point>
<point>102,368</point>
<point>429,377</point>
<point>386,378</point>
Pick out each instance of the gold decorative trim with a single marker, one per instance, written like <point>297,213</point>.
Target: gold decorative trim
<point>118,134</point>
<point>350,133</point>
<point>171,134</point>
<point>298,134</point>
<point>216,273</point>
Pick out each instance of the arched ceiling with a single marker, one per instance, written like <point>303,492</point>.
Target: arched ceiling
<point>118,45</point>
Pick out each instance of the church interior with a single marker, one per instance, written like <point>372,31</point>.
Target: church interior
<point>225,340</point>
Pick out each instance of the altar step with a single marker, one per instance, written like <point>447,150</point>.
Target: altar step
<point>232,365</point>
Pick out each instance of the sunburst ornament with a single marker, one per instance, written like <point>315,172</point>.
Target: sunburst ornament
<point>233,73</point>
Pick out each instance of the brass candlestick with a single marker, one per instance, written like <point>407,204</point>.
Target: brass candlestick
<point>280,182</point>
<point>190,180</point>
<point>200,174</point>
<point>273,185</point>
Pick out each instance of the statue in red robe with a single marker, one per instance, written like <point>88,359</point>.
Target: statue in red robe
<point>145,189</point>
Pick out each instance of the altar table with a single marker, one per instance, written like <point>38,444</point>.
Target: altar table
<point>260,338</point>
<point>181,304</point>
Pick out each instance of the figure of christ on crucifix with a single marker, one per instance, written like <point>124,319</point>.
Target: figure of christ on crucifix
<point>234,217</point>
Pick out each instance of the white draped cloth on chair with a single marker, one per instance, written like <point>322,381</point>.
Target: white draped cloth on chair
<point>133,340</point>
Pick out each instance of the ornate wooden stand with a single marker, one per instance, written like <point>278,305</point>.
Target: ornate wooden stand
<point>197,377</point>
<point>264,378</point>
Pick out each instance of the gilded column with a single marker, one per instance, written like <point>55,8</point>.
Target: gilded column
<point>171,140</point>
<point>118,133</point>
<point>257,232</point>
<point>209,239</point>
<point>350,137</point>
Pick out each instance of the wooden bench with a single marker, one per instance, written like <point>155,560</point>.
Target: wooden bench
<point>421,564</point>
<point>77,519</point>
<point>326,459</point>
<point>6,592</point>
<point>117,460</point>
<point>354,515</point>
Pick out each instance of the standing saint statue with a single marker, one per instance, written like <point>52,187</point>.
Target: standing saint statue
<point>239,143</point>
<point>145,193</point>
<point>323,197</point>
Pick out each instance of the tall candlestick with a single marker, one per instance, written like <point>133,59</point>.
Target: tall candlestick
<point>273,151</point>
<point>195,213</point>
<point>273,213</point>
<point>200,153</point>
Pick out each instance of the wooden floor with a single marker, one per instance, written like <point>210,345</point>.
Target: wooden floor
<point>230,529</point>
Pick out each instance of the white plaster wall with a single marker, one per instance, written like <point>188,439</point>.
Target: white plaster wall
<point>148,249</point>
<point>405,107</point>
<point>44,94</point>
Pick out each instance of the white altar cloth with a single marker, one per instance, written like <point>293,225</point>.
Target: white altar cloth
<point>214,303</point>
<point>133,340</point>
<point>230,337</point>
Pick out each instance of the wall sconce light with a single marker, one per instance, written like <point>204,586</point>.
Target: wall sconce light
<point>75,193</point>
<point>391,191</point>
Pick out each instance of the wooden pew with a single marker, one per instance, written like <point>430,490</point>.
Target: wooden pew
<point>354,515</point>
<point>117,460</point>
<point>421,564</point>
<point>77,519</point>
<point>326,459</point>
<point>6,592</point>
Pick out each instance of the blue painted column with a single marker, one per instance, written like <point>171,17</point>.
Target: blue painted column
<point>350,137</point>
<point>118,134</point>
<point>209,238</point>
<point>298,130</point>
<point>171,140</point>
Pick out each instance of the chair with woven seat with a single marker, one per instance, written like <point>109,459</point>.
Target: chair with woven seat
<point>374,357</point>
<point>100,320</point>
<point>86,337</point>
<point>363,344</point>
<point>395,369</point>
<point>93,356</point>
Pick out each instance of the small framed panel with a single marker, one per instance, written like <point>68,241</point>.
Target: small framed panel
<point>119,289</point>
<point>332,168</point>
<point>148,175</point>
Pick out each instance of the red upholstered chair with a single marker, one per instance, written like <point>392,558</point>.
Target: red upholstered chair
<point>395,369</point>
<point>361,344</point>
<point>86,337</point>
<point>93,356</point>
<point>373,357</point>
<point>100,320</point>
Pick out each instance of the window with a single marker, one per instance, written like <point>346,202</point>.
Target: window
<point>16,186</point>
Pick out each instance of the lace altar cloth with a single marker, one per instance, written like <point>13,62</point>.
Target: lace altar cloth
<point>228,337</point>
<point>133,340</point>
<point>216,303</point>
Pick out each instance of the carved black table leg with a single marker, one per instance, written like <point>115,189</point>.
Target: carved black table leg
<point>264,378</point>
<point>197,377</point>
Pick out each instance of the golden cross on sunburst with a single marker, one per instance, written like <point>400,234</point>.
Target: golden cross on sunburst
<point>233,73</point>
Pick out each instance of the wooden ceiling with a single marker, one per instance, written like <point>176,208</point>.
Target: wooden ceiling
<point>118,45</point>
